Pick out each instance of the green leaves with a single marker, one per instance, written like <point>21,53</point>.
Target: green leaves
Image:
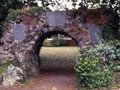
<point>107,52</point>
<point>94,67</point>
<point>94,1</point>
<point>58,41</point>
<point>91,75</point>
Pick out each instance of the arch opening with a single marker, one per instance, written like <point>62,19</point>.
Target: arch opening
<point>41,39</point>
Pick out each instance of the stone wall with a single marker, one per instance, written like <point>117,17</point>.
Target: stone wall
<point>27,50</point>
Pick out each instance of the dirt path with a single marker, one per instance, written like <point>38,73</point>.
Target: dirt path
<point>55,81</point>
<point>49,81</point>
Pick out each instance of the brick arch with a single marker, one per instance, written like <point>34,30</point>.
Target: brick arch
<point>37,29</point>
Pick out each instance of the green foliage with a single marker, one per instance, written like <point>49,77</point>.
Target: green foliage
<point>13,14</point>
<point>2,69</point>
<point>91,75</point>
<point>58,41</point>
<point>95,1</point>
<point>95,66</point>
<point>4,63</point>
<point>110,31</point>
<point>107,52</point>
<point>5,5</point>
<point>36,9</point>
<point>15,63</point>
<point>27,81</point>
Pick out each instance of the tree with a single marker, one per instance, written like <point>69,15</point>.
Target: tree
<point>5,5</point>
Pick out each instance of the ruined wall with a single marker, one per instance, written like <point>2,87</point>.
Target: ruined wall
<point>27,50</point>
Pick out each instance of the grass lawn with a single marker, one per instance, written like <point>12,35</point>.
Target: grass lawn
<point>58,57</point>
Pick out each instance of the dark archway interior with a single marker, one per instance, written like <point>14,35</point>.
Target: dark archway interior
<point>41,39</point>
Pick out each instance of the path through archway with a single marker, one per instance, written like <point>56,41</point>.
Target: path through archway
<point>57,67</point>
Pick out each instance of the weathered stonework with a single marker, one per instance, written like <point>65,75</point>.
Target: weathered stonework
<point>27,50</point>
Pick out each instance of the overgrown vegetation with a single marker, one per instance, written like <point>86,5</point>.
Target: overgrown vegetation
<point>12,15</point>
<point>96,65</point>
<point>111,31</point>
<point>32,10</point>
<point>91,75</point>
<point>109,52</point>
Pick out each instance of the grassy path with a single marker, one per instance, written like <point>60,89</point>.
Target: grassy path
<point>58,57</point>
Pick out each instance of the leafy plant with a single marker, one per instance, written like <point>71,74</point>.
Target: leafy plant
<point>2,69</point>
<point>15,63</point>
<point>4,63</point>
<point>91,75</point>
<point>107,52</point>
<point>13,14</point>
<point>95,66</point>
<point>36,9</point>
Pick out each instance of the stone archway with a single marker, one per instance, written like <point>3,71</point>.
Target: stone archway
<point>37,28</point>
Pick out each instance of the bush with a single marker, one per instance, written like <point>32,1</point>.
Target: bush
<point>58,41</point>
<point>91,75</point>
<point>95,66</point>
<point>107,52</point>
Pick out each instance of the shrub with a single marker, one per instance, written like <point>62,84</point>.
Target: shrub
<point>107,52</point>
<point>95,66</point>
<point>58,41</point>
<point>91,75</point>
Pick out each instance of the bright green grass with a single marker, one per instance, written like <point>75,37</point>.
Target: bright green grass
<point>58,57</point>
